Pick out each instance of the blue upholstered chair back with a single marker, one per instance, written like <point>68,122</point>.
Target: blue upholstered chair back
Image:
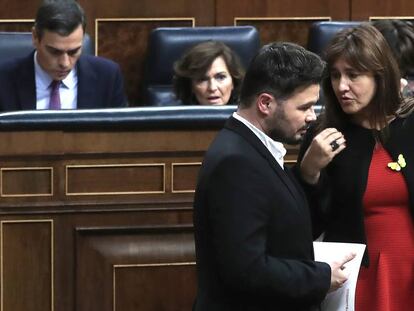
<point>321,33</point>
<point>19,44</point>
<point>166,45</point>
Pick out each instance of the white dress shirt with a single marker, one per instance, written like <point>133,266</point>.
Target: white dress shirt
<point>276,148</point>
<point>68,88</point>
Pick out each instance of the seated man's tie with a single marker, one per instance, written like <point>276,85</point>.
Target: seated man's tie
<point>54,102</point>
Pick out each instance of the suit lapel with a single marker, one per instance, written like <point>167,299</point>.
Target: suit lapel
<point>238,127</point>
<point>26,84</point>
<point>86,84</point>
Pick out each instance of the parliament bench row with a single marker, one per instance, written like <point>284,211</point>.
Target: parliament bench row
<point>166,45</point>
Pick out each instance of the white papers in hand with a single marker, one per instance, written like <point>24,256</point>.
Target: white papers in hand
<point>342,299</point>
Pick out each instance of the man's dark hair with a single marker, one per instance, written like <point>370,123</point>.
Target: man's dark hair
<point>279,69</point>
<point>60,16</point>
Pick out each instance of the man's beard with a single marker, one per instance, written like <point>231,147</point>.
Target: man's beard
<point>280,135</point>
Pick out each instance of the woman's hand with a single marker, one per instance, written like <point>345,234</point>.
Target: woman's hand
<point>323,148</point>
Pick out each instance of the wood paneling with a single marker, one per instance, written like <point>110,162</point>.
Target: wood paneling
<point>41,143</point>
<point>226,11</point>
<point>141,178</point>
<point>153,297</point>
<point>23,9</point>
<point>405,18</point>
<point>16,25</point>
<point>129,141</point>
<point>123,251</point>
<point>184,177</point>
<point>126,41</point>
<point>157,262</point>
<point>363,10</point>
<point>281,29</point>
<point>132,35</point>
<point>26,181</point>
<point>94,237</point>
<point>202,10</point>
<point>27,265</point>
<point>125,166</point>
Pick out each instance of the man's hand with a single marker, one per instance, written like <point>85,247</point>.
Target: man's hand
<point>339,274</point>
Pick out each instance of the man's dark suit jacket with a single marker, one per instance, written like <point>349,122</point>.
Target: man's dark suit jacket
<point>100,84</point>
<point>253,231</point>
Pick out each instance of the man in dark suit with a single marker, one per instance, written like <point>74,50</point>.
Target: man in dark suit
<point>81,81</point>
<point>253,230</point>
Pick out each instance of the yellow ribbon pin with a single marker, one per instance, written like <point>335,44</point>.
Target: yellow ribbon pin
<point>397,166</point>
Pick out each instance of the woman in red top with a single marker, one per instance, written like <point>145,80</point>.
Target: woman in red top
<point>358,166</point>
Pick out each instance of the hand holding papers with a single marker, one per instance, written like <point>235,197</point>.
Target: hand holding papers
<point>339,273</point>
<point>342,299</point>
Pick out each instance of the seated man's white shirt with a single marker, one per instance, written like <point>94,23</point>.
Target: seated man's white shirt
<point>68,88</point>
<point>276,148</point>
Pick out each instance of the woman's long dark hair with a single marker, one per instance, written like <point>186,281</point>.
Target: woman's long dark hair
<point>365,49</point>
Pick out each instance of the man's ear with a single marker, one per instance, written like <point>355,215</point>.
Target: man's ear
<point>35,37</point>
<point>264,101</point>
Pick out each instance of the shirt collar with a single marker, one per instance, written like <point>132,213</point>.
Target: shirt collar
<point>44,79</point>
<point>276,148</point>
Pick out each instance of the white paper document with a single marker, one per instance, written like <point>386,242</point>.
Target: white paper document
<point>342,299</point>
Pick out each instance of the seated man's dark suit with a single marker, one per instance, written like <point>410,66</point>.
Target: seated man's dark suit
<point>253,231</point>
<point>100,84</point>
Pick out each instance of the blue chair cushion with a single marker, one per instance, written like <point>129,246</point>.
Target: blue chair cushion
<point>321,33</point>
<point>166,45</point>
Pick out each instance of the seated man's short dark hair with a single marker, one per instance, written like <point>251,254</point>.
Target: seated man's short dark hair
<point>62,17</point>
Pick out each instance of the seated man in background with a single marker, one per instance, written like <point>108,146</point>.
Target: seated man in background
<point>209,73</point>
<point>56,75</point>
<point>399,35</point>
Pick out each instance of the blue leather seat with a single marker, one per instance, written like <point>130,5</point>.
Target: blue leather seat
<point>19,44</point>
<point>166,45</point>
<point>321,33</point>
